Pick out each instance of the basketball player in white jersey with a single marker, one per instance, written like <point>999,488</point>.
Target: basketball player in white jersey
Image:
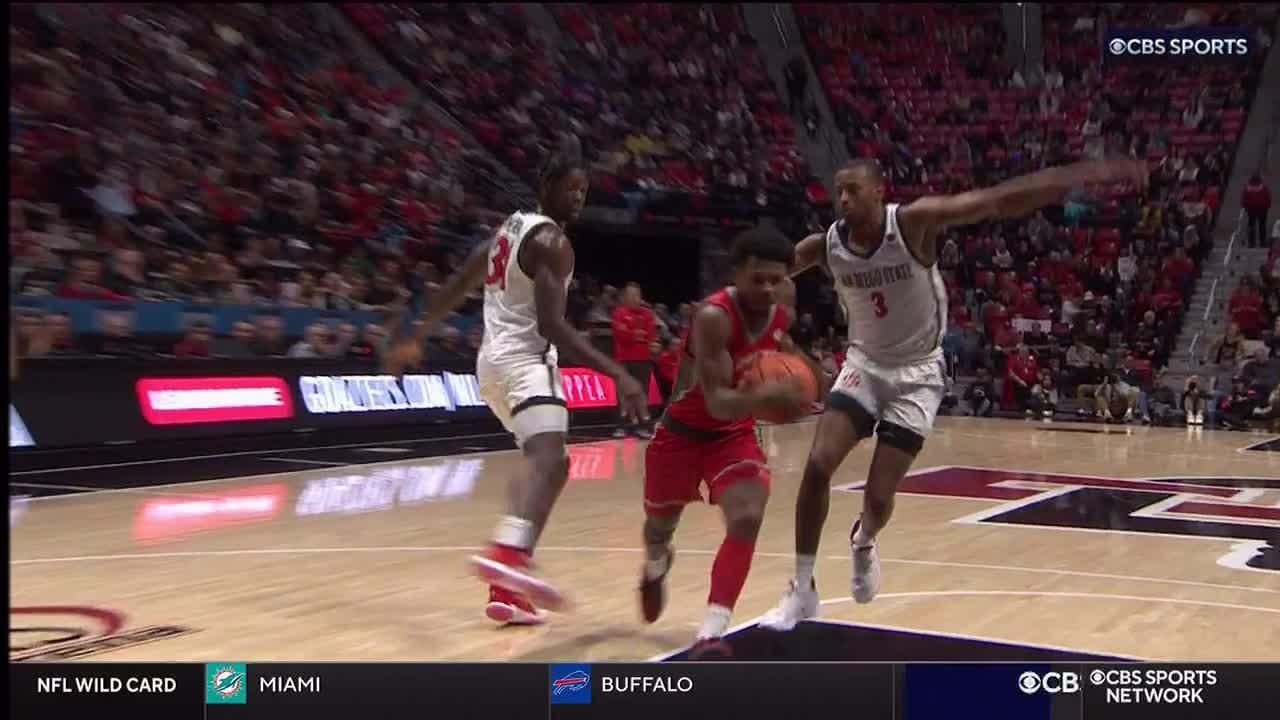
<point>526,269</point>
<point>883,258</point>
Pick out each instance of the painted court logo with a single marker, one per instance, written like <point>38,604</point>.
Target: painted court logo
<point>226,683</point>
<point>570,684</point>
<point>68,632</point>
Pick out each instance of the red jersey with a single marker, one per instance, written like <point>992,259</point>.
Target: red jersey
<point>690,406</point>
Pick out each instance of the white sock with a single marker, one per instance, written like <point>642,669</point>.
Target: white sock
<point>514,532</point>
<point>716,622</point>
<point>861,538</point>
<point>653,569</point>
<point>804,571</point>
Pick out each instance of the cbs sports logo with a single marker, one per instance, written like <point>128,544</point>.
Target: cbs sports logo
<point>1050,682</point>
<point>1181,45</point>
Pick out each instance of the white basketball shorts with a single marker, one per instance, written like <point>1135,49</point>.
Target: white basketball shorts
<point>526,395</point>
<point>906,395</point>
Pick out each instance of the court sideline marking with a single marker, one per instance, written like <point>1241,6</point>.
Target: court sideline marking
<point>1056,594</point>
<point>912,631</point>
<point>469,548</point>
<point>998,593</point>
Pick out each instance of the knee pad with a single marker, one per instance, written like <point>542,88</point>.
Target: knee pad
<point>896,436</point>
<point>863,421</point>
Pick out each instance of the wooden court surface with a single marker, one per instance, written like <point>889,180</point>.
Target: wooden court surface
<point>368,562</point>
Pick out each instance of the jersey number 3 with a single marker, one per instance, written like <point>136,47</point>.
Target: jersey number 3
<point>498,263</point>
<point>877,299</point>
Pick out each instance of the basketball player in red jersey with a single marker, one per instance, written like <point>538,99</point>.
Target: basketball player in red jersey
<point>883,257</point>
<point>707,435</point>
<point>526,270</point>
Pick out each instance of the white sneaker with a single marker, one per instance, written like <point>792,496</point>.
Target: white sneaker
<point>796,605</point>
<point>866,574</point>
<point>1199,418</point>
<point>1191,418</point>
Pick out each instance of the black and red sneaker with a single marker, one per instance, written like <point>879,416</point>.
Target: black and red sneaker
<point>653,592</point>
<point>711,649</point>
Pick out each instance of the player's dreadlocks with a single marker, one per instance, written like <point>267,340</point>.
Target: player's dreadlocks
<point>563,160</point>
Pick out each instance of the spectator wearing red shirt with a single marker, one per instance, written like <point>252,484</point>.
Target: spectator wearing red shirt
<point>196,342</point>
<point>1166,296</point>
<point>634,329</point>
<point>1180,269</point>
<point>1245,308</point>
<point>666,366</point>
<point>85,282</point>
<point>1023,373</point>
<point>1256,200</point>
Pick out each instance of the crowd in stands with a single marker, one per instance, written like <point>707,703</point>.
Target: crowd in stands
<point>666,97</point>
<point>237,154</point>
<point>1083,304</point>
<point>249,155</point>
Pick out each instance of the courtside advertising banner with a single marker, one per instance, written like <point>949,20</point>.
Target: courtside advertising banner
<point>65,403</point>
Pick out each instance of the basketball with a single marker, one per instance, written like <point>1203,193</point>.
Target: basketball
<point>772,366</point>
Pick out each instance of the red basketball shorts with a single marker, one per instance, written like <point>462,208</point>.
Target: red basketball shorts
<point>676,467</point>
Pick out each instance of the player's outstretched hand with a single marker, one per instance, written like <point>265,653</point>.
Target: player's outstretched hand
<point>634,399</point>
<point>403,354</point>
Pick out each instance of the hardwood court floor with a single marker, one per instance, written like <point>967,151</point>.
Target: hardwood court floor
<point>369,562</point>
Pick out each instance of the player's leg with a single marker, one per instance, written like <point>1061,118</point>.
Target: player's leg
<point>505,606</point>
<point>738,479</point>
<point>849,417</point>
<point>907,420</point>
<point>539,420</point>
<point>670,482</point>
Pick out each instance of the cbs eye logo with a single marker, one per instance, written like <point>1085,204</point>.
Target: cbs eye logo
<point>1051,682</point>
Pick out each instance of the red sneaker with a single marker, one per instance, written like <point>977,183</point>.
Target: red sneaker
<point>508,608</point>
<point>510,568</point>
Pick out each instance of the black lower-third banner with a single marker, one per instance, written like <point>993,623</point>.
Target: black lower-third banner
<point>670,691</point>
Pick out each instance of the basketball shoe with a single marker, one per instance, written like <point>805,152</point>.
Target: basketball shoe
<point>511,568</point>
<point>508,608</point>
<point>866,568</point>
<point>711,649</point>
<point>797,604</point>
<point>653,590</point>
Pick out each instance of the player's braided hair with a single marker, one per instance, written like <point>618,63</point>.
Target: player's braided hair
<point>566,158</point>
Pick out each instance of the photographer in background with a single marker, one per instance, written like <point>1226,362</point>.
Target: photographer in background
<point>1193,400</point>
<point>980,395</point>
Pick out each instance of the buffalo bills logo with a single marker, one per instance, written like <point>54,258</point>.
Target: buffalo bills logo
<point>570,684</point>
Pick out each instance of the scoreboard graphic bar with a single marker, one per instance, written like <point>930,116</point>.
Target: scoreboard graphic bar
<point>620,691</point>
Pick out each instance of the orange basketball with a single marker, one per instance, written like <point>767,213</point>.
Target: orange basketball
<point>770,366</point>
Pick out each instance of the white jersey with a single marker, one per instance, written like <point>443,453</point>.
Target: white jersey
<point>896,307</point>
<point>510,315</point>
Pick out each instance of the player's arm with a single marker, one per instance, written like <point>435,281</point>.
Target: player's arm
<point>923,219</point>
<point>551,258</point>
<point>810,252</point>
<point>713,367</point>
